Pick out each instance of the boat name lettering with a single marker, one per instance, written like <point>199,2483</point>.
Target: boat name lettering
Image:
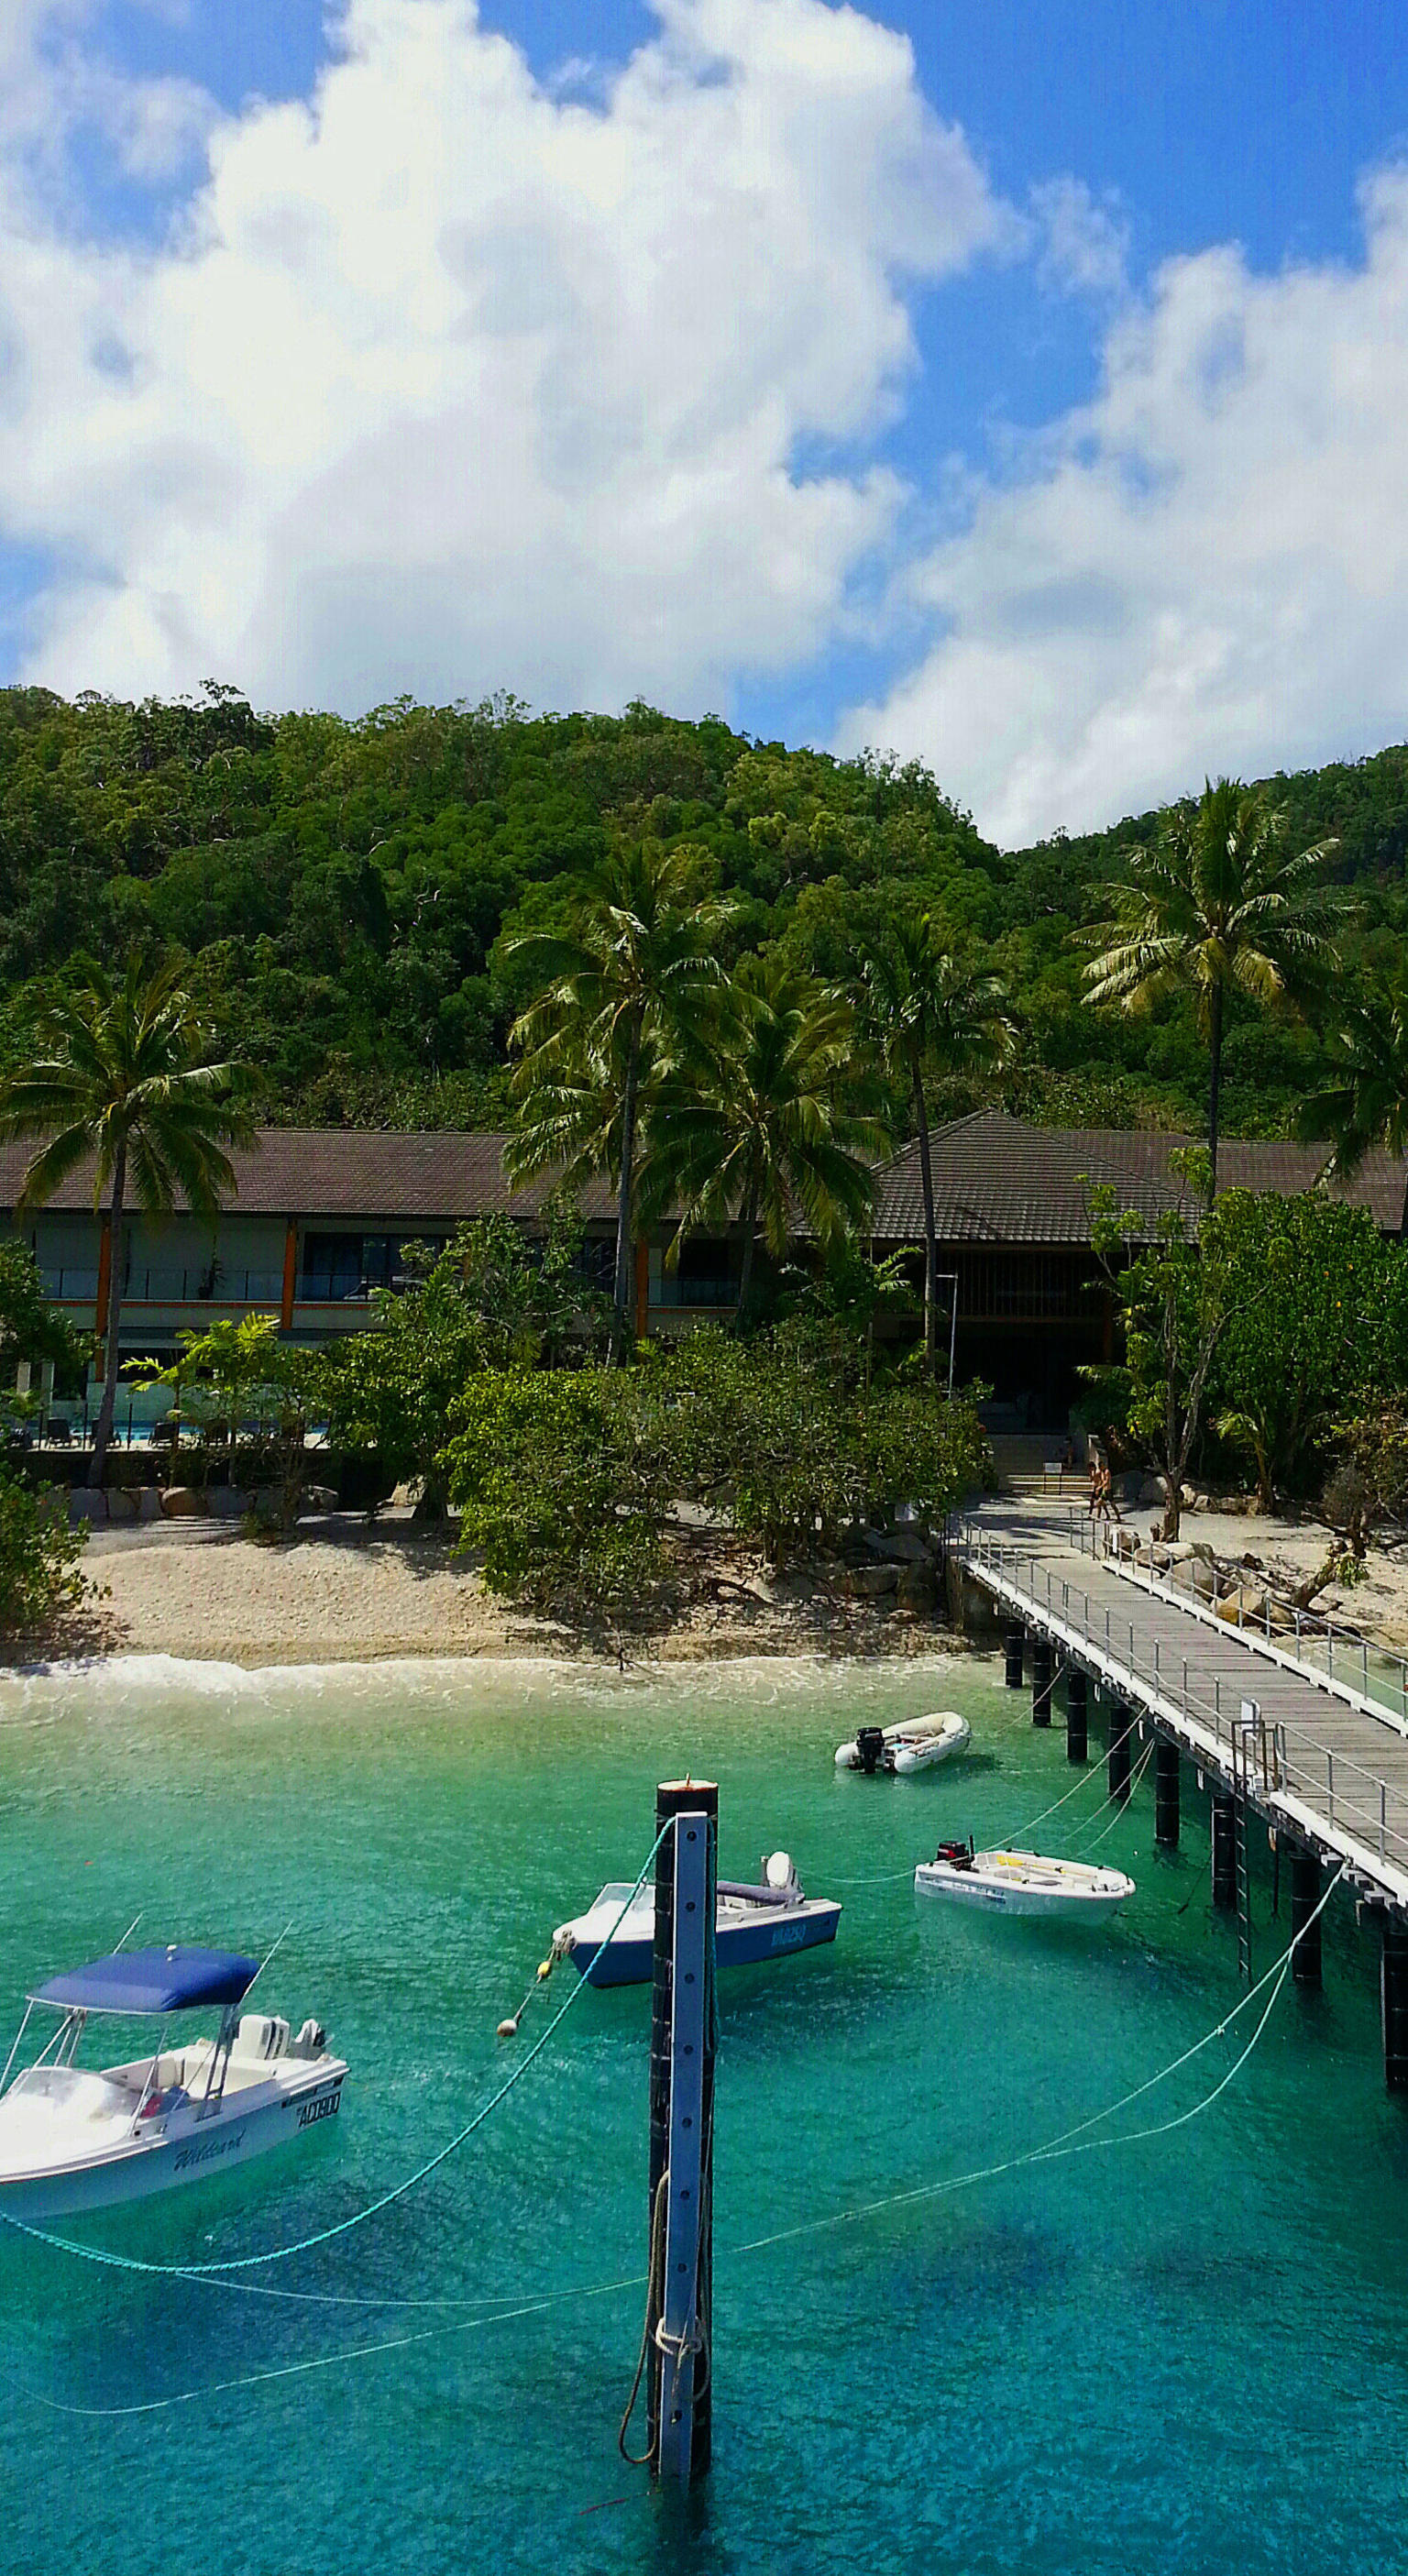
<point>324,2109</point>
<point>212,2147</point>
<point>788,1936</point>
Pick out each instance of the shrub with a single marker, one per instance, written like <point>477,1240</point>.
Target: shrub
<point>39,1558</point>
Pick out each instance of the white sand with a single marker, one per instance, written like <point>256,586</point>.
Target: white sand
<point>342,1591</point>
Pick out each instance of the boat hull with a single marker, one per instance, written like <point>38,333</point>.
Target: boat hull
<point>999,1892</point>
<point>628,1960</point>
<point>142,2168</point>
<point>915,1747</point>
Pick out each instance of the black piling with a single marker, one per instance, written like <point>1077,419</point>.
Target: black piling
<point>1121,1750</point>
<point>672,1798</point>
<point>1224,1851</point>
<point>1014,1644</point>
<point>1166,1794</point>
<point>1393,2001</point>
<point>1041,1681</point>
<point>1077,1714</point>
<point>1305,1896</point>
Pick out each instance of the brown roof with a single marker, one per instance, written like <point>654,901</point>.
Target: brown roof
<point>346,1172</point>
<point>997,1180</point>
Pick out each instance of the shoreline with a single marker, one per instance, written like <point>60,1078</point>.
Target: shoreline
<point>353,1593</point>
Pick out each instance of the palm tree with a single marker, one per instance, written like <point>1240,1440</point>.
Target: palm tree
<point>1366,1102</point>
<point>619,998</point>
<point>1212,905</point>
<point>124,1077</point>
<point>931,1015</point>
<point>765,1125</point>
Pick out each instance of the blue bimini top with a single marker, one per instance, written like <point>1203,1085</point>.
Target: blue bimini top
<point>151,1981</point>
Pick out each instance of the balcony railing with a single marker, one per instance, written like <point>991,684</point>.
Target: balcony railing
<point>156,1287</point>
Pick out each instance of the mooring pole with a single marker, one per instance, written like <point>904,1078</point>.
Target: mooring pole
<point>1041,1681</point>
<point>1077,1714</point>
<point>679,2317</point>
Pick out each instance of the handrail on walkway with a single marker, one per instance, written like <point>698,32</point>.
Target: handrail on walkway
<point>1280,1758</point>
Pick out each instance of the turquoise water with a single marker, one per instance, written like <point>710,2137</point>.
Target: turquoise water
<point>1186,2354</point>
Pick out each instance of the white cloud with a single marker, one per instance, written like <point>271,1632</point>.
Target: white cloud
<point>1204,569</point>
<point>1085,245</point>
<point>447,382</point>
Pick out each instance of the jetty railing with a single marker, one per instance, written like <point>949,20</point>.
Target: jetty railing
<point>1281,1759</point>
<point>1310,1641</point>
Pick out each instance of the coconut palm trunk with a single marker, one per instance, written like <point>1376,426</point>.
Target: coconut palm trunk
<point>1214,1084</point>
<point>117,1262</point>
<point>625,1232</point>
<point>750,1239</point>
<point>931,1243</point>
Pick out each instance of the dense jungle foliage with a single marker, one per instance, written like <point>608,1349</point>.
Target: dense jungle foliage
<point>346,892</point>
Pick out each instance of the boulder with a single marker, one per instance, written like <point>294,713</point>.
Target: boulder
<point>181,1502</point>
<point>1244,1607</point>
<point>917,1589</point>
<point>85,1505</point>
<point>149,1504</point>
<point>228,1502</point>
<point>317,1498</point>
<point>123,1503</point>
<point>869,1582</point>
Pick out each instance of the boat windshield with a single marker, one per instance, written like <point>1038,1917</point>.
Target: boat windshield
<point>616,1894</point>
<point>81,2091</point>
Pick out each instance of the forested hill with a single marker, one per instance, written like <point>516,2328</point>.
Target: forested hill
<point>344,890</point>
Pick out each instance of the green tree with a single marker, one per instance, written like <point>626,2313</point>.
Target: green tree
<point>618,999</point>
<point>1214,905</point>
<point>931,1016</point>
<point>764,1125</point>
<point>1173,1307</point>
<point>491,1299</point>
<point>39,1559</point>
<point>30,1328</point>
<point>1313,1305</point>
<point>254,1398</point>
<point>1364,1102</point>
<point>125,1079</point>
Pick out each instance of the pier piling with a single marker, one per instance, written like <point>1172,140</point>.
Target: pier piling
<point>1166,1794</point>
<point>1224,1852</point>
<point>679,2321</point>
<point>1305,1896</point>
<point>1014,1644</point>
<point>1041,1681</point>
<point>1121,1755</point>
<point>1077,1714</point>
<point>1393,2002</point>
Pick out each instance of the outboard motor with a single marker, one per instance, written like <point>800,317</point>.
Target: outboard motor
<point>870,1748</point>
<point>958,1855</point>
<point>780,1874</point>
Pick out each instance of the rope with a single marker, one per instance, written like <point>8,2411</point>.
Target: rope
<point>1062,2145</point>
<point>325,2235</point>
<point>1053,2151</point>
<point>653,2281</point>
<point>1118,1800</point>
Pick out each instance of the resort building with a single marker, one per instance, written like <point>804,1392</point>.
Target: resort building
<point>320,1217</point>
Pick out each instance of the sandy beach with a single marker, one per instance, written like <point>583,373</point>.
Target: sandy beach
<point>343,1591</point>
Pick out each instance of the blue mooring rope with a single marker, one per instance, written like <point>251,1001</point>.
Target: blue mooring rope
<point>325,2235</point>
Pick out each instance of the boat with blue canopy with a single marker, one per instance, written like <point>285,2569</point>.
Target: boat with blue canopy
<point>74,2138</point>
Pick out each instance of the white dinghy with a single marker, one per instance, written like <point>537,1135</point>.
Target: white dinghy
<point>1016,1882</point>
<point>915,1744</point>
<point>74,2139</point>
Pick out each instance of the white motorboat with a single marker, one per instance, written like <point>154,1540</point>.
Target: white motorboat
<point>1017,1882</point>
<point>74,2139</point>
<point>915,1744</point>
<point>752,1925</point>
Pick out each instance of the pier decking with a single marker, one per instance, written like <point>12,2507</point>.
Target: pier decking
<point>1310,1754</point>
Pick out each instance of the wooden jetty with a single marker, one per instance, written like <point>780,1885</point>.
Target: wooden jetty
<point>1270,1735</point>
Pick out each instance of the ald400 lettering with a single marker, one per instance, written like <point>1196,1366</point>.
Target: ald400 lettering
<point>324,2109</point>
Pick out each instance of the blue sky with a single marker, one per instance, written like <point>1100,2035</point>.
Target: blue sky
<point>1029,399</point>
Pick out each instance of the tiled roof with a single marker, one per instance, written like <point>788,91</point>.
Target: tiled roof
<point>344,1172</point>
<point>997,1180</point>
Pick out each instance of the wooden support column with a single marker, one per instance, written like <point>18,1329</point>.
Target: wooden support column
<point>1393,2002</point>
<point>679,2321</point>
<point>1121,1750</point>
<point>1166,1794</point>
<point>1305,1896</point>
<point>290,1276</point>
<point>1077,1714</point>
<point>1041,1681</point>
<point>1013,1645</point>
<point>1224,1851</point>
